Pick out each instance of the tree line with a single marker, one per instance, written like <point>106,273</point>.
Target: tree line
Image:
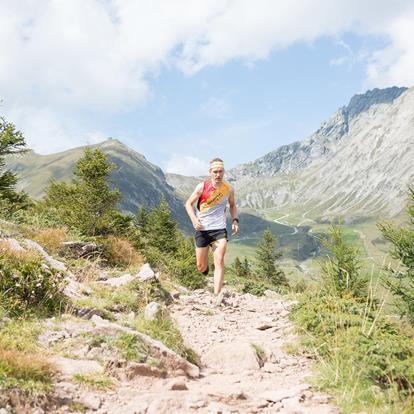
<point>88,206</point>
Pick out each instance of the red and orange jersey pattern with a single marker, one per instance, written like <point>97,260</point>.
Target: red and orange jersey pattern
<point>212,196</point>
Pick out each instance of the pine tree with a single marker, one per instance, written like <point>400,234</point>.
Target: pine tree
<point>237,267</point>
<point>161,229</point>
<point>87,204</point>
<point>401,278</point>
<point>266,257</point>
<point>11,142</point>
<point>246,267</point>
<point>341,274</point>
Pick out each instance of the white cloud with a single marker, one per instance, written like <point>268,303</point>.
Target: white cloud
<point>186,165</point>
<point>216,108</point>
<point>59,58</point>
<point>394,65</point>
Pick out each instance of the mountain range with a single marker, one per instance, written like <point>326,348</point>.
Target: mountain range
<point>358,164</point>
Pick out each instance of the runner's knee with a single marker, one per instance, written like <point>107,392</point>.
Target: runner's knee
<point>201,267</point>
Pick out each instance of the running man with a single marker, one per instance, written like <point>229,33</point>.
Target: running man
<point>209,221</point>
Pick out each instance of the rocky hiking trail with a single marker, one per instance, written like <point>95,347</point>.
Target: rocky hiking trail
<point>241,344</point>
<point>243,365</point>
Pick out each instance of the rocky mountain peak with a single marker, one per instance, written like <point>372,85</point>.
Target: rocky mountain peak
<point>300,154</point>
<point>362,102</point>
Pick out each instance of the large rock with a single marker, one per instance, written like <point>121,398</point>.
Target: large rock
<point>77,249</point>
<point>70,367</point>
<point>234,357</point>
<point>55,264</point>
<point>146,273</point>
<point>153,311</point>
<point>171,361</point>
<point>118,281</point>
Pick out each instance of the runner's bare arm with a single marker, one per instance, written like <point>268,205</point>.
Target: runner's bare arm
<point>189,206</point>
<point>233,212</point>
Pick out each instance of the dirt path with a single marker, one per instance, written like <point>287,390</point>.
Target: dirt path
<point>244,365</point>
<point>245,368</point>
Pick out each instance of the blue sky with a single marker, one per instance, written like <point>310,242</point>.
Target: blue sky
<point>184,81</point>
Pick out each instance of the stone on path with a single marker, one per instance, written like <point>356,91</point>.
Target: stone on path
<point>68,366</point>
<point>284,393</point>
<point>146,273</point>
<point>152,311</point>
<point>232,356</point>
<point>118,281</point>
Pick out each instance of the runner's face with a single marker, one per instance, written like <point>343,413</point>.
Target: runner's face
<point>217,175</point>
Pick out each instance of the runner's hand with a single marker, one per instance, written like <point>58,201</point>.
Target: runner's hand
<point>234,228</point>
<point>197,225</point>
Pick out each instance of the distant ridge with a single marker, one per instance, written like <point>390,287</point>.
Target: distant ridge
<point>359,162</point>
<point>300,154</point>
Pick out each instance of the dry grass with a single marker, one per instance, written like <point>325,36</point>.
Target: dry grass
<point>120,252</point>
<point>51,238</point>
<point>17,256</point>
<point>86,270</point>
<point>27,372</point>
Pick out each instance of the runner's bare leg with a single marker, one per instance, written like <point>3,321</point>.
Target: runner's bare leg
<point>202,258</point>
<point>219,249</point>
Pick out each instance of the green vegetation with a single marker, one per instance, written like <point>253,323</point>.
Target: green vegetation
<point>266,257</point>
<point>264,273</point>
<point>21,367</point>
<point>166,331</point>
<point>166,248</point>
<point>364,359</point>
<point>27,285</point>
<point>95,380</point>
<point>340,271</point>
<point>11,142</point>
<point>401,278</point>
<point>86,204</point>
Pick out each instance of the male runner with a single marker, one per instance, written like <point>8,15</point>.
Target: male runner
<point>209,221</point>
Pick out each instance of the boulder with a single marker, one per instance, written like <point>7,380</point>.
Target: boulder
<point>146,274</point>
<point>118,281</point>
<point>70,367</point>
<point>77,249</point>
<point>234,357</point>
<point>55,264</point>
<point>153,311</point>
<point>172,362</point>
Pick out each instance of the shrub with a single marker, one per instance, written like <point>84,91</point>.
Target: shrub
<point>254,287</point>
<point>365,359</point>
<point>401,278</point>
<point>242,269</point>
<point>50,238</point>
<point>341,274</point>
<point>182,265</point>
<point>166,331</point>
<point>266,257</point>
<point>29,373</point>
<point>121,252</point>
<point>27,284</point>
<point>87,204</point>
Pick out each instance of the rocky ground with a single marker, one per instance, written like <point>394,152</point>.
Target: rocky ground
<point>241,344</point>
<point>244,367</point>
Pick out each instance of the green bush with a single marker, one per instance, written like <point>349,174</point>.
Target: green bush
<point>165,248</point>
<point>254,287</point>
<point>28,285</point>
<point>87,203</point>
<point>401,278</point>
<point>365,359</point>
<point>266,260</point>
<point>341,271</point>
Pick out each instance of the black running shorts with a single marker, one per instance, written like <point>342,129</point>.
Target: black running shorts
<point>205,237</point>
